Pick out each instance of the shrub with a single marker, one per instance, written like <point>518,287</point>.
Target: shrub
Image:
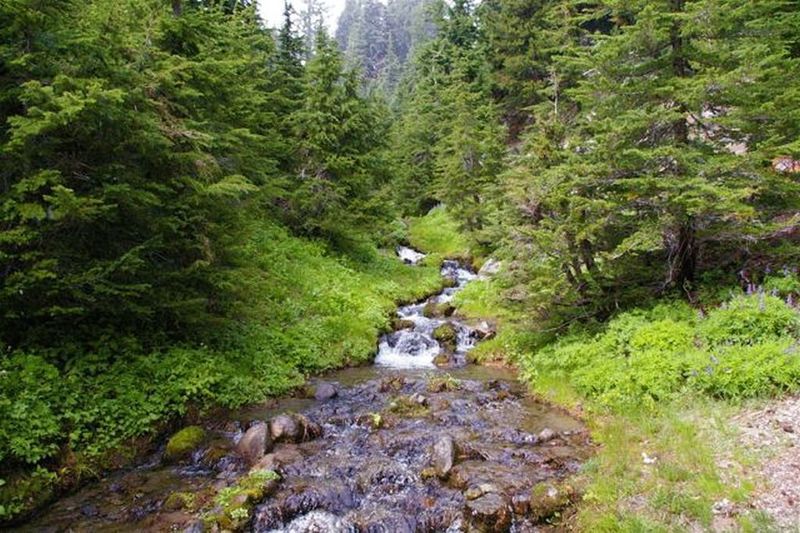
<point>748,371</point>
<point>750,320</point>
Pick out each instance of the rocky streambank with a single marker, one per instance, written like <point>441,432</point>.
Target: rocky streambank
<point>378,451</point>
<point>402,446</point>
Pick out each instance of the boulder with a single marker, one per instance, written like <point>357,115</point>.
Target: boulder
<point>443,456</point>
<point>433,309</point>
<point>284,428</point>
<point>293,428</point>
<point>325,391</point>
<point>255,443</point>
<point>181,445</point>
<point>490,513</point>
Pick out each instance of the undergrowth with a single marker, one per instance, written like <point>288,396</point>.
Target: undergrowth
<point>303,310</point>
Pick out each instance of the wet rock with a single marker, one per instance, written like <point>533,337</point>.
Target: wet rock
<point>447,336</point>
<point>379,520</point>
<point>325,391</point>
<point>521,503</point>
<point>477,491</point>
<point>508,478</point>
<point>392,384</point>
<point>293,428</point>
<point>484,331</point>
<point>195,526</point>
<point>181,445</point>
<point>319,522</point>
<point>372,420</point>
<point>284,428</point>
<point>433,309</point>
<point>547,499</point>
<point>255,443</point>
<point>402,323</point>
<point>383,475</point>
<point>306,496</point>
<point>546,435</point>
<point>443,360</point>
<point>443,456</point>
<point>490,513</point>
<point>89,510</point>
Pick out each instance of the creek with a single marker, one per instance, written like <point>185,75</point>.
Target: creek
<point>419,441</point>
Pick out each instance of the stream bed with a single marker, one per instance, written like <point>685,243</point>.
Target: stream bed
<point>420,441</point>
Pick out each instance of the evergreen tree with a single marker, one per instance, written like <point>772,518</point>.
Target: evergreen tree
<point>663,170</point>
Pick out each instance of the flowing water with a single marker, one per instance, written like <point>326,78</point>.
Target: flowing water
<point>400,446</point>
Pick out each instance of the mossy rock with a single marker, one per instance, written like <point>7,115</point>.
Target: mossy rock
<point>446,383</point>
<point>24,493</point>
<point>548,500</point>
<point>447,336</point>
<point>234,504</point>
<point>178,501</point>
<point>434,310</point>
<point>443,360</point>
<point>409,406</point>
<point>184,442</point>
<point>402,323</point>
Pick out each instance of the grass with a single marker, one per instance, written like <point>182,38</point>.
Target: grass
<point>439,235</point>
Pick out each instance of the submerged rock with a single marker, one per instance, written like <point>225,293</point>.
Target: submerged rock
<point>184,442</point>
<point>255,443</point>
<point>319,522</point>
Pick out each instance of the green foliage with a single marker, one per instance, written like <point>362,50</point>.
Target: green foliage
<point>438,233</point>
<point>743,349</point>
<point>750,320</point>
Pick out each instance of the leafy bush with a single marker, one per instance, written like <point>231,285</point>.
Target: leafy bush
<point>745,348</point>
<point>750,320</point>
<point>747,371</point>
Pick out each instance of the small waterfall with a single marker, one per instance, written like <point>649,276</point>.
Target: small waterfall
<point>416,347</point>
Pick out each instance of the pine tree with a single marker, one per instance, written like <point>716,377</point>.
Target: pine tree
<point>661,172</point>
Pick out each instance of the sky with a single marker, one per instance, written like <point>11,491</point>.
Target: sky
<point>272,11</point>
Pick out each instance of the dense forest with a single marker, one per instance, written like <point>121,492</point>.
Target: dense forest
<point>198,210</point>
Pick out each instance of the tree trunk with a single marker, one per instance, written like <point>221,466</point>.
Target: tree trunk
<point>177,7</point>
<point>683,260</point>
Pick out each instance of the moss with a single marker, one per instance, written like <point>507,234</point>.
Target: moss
<point>184,442</point>
<point>433,309</point>
<point>178,501</point>
<point>408,407</point>
<point>235,503</point>
<point>445,383</point>
<point>548,500</point>
<point>402,323</point>
<point>447,336</point>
